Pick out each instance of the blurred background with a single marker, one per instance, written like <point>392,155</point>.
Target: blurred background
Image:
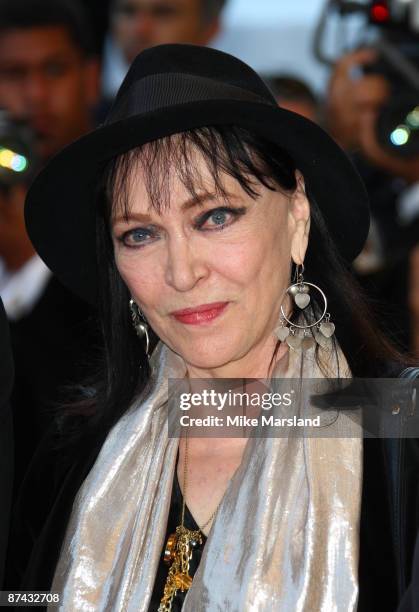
<point>351,66</point>
<point>271,36</point>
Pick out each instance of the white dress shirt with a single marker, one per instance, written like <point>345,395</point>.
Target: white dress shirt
<point>408,204</point>
<point>21,290</point>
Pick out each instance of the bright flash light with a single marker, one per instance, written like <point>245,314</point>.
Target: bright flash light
<point>12,161</point>
<point>400,135</point>
<point>6,158</point>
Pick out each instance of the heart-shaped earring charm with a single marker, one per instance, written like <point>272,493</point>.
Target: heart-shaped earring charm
<point>322,340</point>
<point>282,333</point>
<point>302,300</point>
<point>298,288</point>
<point>294,342</point>
<point>327,328</point>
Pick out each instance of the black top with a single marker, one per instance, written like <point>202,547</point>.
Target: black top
<point>6,434</point>
<point>175,517</point>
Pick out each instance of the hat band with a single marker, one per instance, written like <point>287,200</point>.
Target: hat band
<point>168,89</point>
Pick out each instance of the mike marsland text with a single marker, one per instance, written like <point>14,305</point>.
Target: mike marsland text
<point>243,421</point>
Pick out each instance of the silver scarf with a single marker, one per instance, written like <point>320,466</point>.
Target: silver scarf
<point>286,535</point>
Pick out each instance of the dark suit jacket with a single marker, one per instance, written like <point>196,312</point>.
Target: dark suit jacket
<point>6,434</point>
<point>47,345</point>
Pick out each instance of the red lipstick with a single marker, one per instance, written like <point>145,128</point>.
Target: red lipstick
<point>200,314</point>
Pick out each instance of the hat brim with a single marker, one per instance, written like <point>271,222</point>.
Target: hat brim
<point>59,210</point>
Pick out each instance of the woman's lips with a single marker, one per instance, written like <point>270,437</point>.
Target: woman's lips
<point>200,314</point>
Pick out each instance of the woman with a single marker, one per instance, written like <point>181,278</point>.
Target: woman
<point>191,213</point>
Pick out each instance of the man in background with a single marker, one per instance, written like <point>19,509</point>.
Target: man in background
<point>48,81</point>
<point>47,75</point>
<point>139,24</point>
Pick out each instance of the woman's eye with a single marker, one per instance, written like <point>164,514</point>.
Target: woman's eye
<point>218,218</point>
<point>136,237</point>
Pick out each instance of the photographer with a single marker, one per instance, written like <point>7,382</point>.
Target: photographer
<point>353,103</point>
<point>361,86</point>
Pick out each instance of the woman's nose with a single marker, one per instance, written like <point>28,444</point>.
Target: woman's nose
<point>185,267</point>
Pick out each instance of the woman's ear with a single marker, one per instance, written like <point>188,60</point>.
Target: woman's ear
<point>299,216</point>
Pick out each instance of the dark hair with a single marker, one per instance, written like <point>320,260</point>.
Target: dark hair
<point>251,160</point>
<point>27,14</point>
<point>211,9</point>
<point>289,87</point>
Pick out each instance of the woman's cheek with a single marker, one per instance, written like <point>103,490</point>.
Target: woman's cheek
<point>125,270</point>
<point>244,261</point>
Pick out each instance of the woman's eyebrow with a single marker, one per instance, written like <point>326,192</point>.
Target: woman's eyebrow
<point>197,200</point>
<point>201,199</point>
<point>140,217</point>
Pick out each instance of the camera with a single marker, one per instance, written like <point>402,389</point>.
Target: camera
<point>18,160</point>
<point>396,27</point>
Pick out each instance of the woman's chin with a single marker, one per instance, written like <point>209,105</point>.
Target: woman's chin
<point>210,358</point>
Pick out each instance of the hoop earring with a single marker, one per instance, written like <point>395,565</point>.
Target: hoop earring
<point>320,331</point>
<point>140,324</point>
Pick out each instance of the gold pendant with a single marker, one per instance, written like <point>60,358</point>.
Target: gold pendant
<point>178,551</point>
<point>170,549</point>
<point>183,581</point>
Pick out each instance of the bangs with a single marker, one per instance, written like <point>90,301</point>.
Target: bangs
<point>226,150</point>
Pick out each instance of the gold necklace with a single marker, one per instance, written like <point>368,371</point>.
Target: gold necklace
<point>179,548</point>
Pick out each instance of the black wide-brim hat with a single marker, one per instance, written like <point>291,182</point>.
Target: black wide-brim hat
<point>171,89</point>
